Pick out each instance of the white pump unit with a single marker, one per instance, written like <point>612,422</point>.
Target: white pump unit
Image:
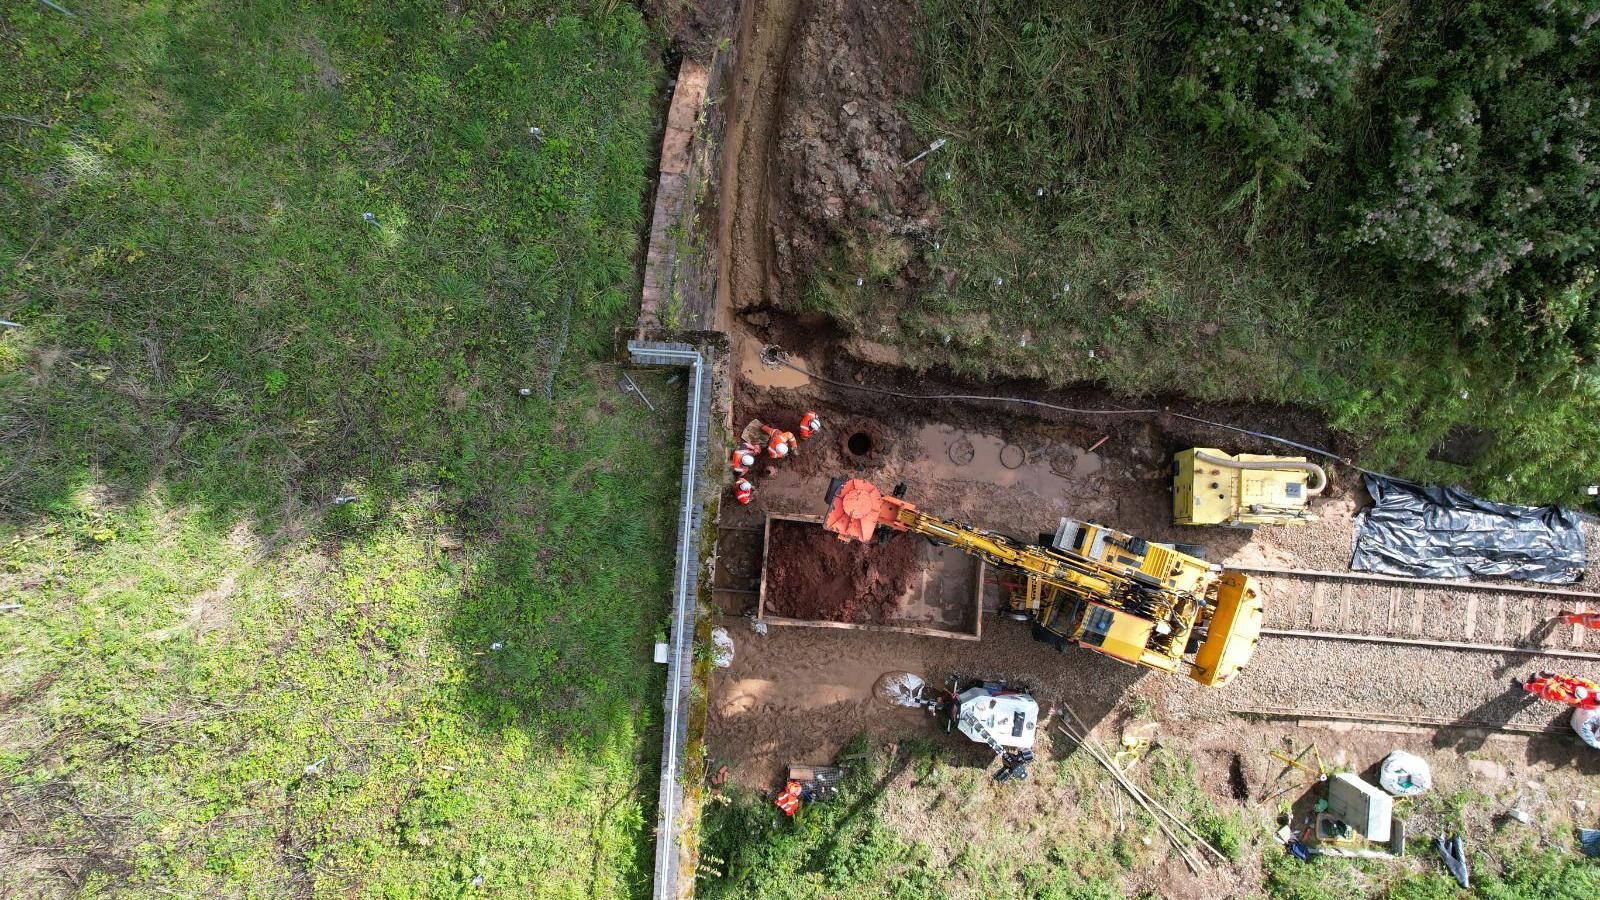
<point>1005,720</point>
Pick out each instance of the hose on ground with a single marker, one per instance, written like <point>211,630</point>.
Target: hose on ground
<point>1269,466</point>
<point>775,355</point>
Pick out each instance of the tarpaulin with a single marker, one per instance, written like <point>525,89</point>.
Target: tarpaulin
<point>1426,531</point>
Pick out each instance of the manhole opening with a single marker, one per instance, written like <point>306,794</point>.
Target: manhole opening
<point>859,443</point>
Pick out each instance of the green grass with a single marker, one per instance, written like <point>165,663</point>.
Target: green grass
<point>215,344</point>
<point>837,849</point>
<point>1084,235</point>
<point>1174,773</point>
<point>852,847</point>
<point>916,822</point>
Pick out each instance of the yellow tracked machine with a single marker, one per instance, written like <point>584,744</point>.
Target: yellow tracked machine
<point>1144,604</point>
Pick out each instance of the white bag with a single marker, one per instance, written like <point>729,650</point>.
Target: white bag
<point>721,648</point>
<point>1405,774</point>
<point>1586,722</point>
<point>903,689</point>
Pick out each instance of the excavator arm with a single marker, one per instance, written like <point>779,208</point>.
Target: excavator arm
<point>1141,603</point>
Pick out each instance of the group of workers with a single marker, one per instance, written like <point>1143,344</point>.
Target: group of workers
<point>780,444</point>
<point>1573,690</point>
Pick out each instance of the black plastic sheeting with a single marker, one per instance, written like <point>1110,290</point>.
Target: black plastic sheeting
<point>1425,531</point>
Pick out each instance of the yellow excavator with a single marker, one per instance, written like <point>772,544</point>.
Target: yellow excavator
<point>1144,604</point>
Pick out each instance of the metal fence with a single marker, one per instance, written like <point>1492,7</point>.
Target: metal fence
<point>686,583</point>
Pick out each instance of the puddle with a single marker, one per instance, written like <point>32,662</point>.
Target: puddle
<point>754,371</point>
<point>951,454</point>
<point>1078,465</point>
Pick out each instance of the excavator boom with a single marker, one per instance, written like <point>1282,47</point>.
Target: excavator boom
<point>1144,604</point>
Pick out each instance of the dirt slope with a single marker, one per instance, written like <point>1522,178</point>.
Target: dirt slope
<point>815,139</point>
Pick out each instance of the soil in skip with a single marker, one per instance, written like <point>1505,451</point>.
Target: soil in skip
<point>811,574</point>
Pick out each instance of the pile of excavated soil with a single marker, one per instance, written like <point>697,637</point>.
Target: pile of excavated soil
<point>811,574</point>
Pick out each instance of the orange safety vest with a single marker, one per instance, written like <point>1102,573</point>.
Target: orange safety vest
<point>1587,620</point>
<point>809,425</point>
<point>737,459</point>
<point>742,490</point>
<point>789,800</point>
<point>780,439</point>
<point>1564,689</point>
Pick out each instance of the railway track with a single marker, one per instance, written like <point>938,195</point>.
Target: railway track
<point>1290,712</point>
<point>1357,606</point>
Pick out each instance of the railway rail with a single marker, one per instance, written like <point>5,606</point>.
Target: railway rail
<point>1290,712</point>
<point>1471,616</point>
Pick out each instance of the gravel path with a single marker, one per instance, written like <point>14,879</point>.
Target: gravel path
<point>1383,679</point>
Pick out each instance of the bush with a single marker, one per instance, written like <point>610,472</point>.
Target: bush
<point>1270,78</point>
<point>1487,199</point>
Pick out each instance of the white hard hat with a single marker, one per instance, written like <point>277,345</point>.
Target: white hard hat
<point>747,459</point>
<point>782,449</point>
<point>745,485</point>
<point>1581,693</point>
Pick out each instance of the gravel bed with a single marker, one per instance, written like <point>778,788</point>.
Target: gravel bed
<point>1349,676</point>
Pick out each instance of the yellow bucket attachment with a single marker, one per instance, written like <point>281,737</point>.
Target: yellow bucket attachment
<point>1231,637</point>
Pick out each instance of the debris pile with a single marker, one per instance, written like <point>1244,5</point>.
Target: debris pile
<point>811,574</point>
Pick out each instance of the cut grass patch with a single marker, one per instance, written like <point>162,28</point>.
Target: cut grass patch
<point>313,602</point>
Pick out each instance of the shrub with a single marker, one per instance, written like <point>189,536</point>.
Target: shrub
<point>1269,76</point>
<point>1488,196</point>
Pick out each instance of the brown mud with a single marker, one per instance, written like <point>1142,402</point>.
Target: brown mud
<point>814,141</point>
<point>842,134</point>
<point>811,574</point>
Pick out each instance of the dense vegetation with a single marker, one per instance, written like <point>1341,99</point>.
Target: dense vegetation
<point>1385,210</point>
<point>221,680</point>
<point>919,822</point>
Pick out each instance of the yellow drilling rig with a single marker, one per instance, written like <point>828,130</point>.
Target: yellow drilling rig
<point>1144,604</point>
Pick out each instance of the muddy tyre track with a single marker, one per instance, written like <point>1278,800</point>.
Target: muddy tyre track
<point>766,33</point>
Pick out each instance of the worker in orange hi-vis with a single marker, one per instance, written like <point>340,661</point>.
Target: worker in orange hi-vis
<point>1587,620</point>
<point>779,443</point>
<point>743,458</point>
<point>810,424</point>
<point>1569,689</point>
<point>743,490</point>
<point>789,800</point>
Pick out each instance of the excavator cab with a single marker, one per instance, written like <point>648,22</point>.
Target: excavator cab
<point>1067,620</point>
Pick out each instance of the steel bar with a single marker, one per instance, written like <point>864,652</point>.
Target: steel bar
<point>1417,642</point>
<point>1419,582</point>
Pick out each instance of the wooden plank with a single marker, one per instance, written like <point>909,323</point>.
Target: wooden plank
<point>1345,590</point>
<point>1419,611</point>
<point>1577,630</point>
<point>1499,619</point>
<point>977,601</point>
<point>851,626</point>
<point>1317,612</point>
<point>1394,608</point>
<point>1472,617</point>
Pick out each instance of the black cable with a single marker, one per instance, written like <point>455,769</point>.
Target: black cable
<point>775,354</point>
